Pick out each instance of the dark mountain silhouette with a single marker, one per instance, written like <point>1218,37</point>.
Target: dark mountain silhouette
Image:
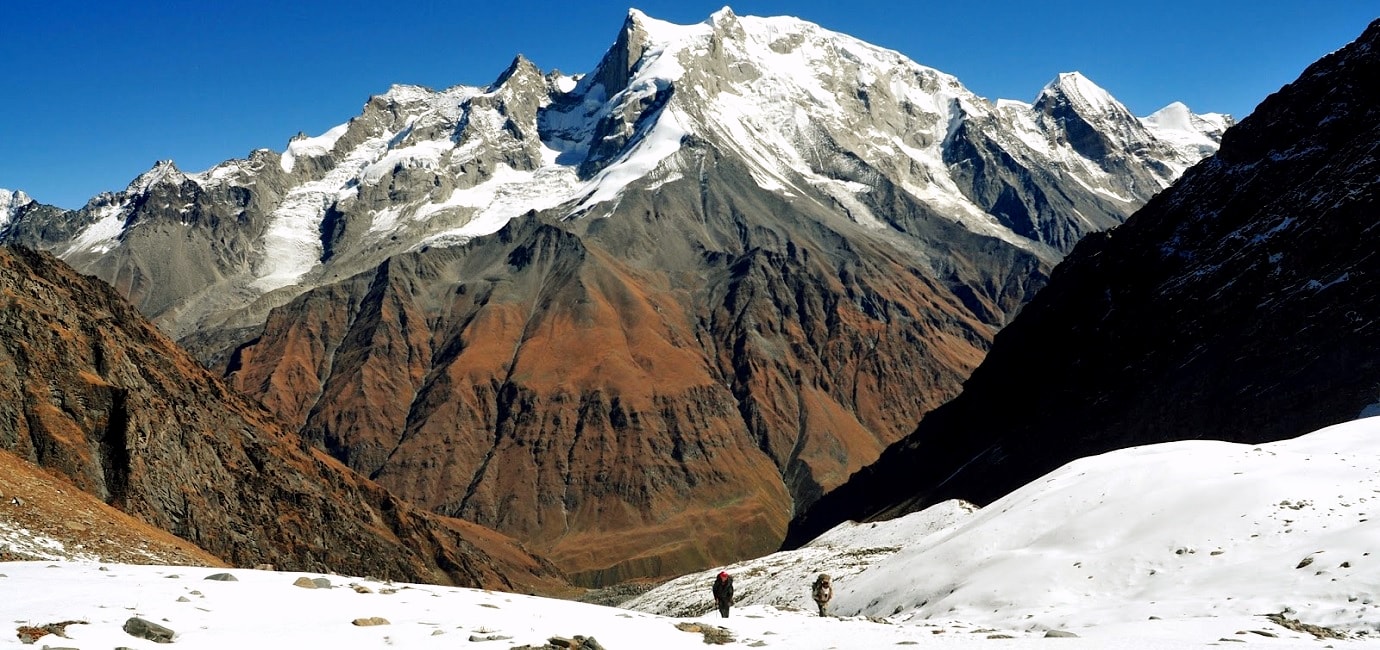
<point>1241,304</point>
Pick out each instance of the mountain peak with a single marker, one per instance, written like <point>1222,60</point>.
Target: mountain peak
<point>615,69</point>
<point>522,68</point>
<point>163,171</point>
<point>10,203</point>
<point>1175,115</point>
<point>723,17</point>
<point>1079,89</point>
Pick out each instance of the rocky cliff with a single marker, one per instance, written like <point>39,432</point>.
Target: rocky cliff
<point>93,391</point>
<point>1238,305</point>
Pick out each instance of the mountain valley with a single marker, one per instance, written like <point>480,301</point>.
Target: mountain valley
<point>639,318</point>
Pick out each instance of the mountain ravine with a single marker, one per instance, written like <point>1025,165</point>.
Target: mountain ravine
<point>636,318</point>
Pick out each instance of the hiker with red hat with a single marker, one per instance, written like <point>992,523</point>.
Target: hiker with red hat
<point>723,592</point>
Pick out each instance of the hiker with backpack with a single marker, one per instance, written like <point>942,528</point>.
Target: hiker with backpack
<point>723,592</point>
<point>822,591</point>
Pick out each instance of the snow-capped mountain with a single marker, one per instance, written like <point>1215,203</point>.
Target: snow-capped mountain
<point>10,203</point>
<point>1236,305</point>
<point>727,266</point>
<point>815,115</point>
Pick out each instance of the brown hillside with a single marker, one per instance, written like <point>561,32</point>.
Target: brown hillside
<point>92,390</point>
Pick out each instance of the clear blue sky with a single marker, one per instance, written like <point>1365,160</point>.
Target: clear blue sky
<point>96,91</point>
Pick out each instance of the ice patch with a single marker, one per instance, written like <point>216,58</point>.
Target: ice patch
<point>102,235</point>
<point>426,155</point>
<point>311,147</point>
<point>292,241</point>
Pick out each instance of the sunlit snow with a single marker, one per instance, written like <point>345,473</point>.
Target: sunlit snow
<point>102,234</point>
<point>292,242</point>
<point>308,147</point>
<point>10,203</point>
<point>1184,544</point>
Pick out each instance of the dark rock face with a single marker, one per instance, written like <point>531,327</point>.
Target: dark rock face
<point>1239,305</point>
<point>95,392</point>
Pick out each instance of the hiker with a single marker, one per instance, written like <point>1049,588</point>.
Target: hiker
<point>822,591</point>
<point>723,592</point>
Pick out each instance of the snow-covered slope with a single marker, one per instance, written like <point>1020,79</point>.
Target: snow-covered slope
<point>1142,539</point>
<point>1187,544</point>
<point>813,115</point>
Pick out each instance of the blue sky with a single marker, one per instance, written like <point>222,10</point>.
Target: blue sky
<point>96,92</point>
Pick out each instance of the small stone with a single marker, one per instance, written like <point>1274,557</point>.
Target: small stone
<point>322,583</point>
<point>361,589</point>
<point>183,599</point>
<point>305,583</point>
<point>221,577</point>
<point>371,621</point>
<point>1060,634</point>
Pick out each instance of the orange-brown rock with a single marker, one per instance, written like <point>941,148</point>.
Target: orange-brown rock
<point>626,397</point>
<point>92,390</point>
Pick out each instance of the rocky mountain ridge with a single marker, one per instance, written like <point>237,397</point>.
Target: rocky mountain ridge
<point>94,392</point>
<point>814,113</point>
<point>690,291</point>
<point>1237,305</point>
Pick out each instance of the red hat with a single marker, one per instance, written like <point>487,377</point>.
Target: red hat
<point>723,574</point>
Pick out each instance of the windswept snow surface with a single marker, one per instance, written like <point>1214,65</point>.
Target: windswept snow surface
<point>1181,543</point>
<point>1186,544</point>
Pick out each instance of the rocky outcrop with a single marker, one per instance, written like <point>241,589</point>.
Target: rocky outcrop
<point>1237,305</point>
<point>95,392</point>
